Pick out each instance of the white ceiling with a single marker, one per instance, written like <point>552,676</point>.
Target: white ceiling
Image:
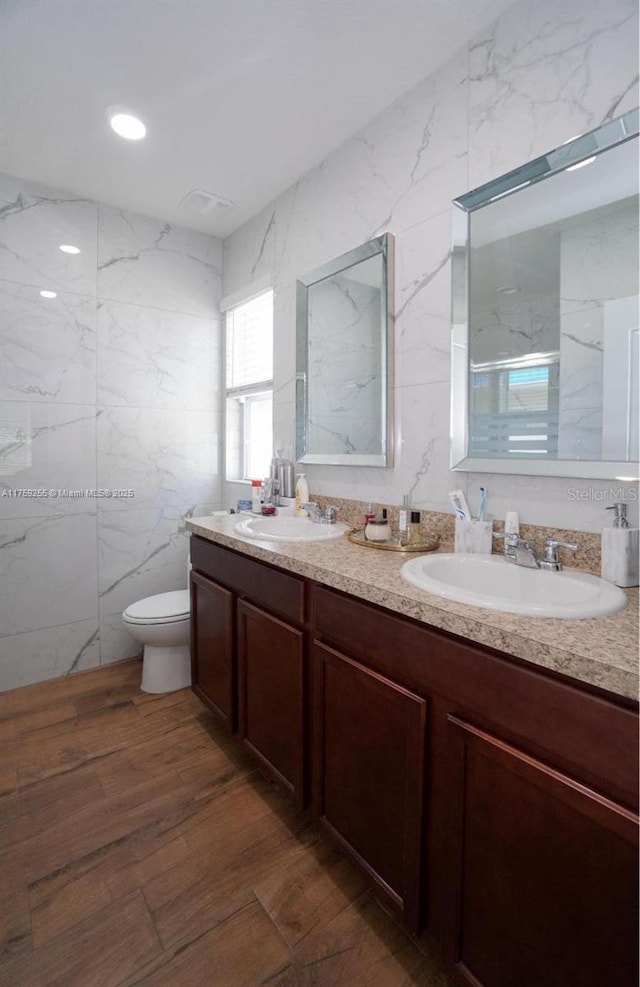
<point>240,97</point>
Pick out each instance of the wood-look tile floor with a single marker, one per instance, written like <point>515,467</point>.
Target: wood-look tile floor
<point>139,845</point>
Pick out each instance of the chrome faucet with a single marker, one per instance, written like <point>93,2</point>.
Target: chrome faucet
<point>318,516</point>
<point>550,560</point>
<point>520,551</point>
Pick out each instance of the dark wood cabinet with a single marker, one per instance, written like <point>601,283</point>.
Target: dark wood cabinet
<point>492,803</point>
<point>545,873</point>
<point>271,694</point>
<point>369,739</point>
<point>212,646</point>
<point>529,836</point>
<point>248,656</point>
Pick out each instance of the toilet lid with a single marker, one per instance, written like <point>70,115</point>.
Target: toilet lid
<point>163,607</point>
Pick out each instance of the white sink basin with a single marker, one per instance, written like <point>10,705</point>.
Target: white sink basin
<point>488,581</point>
<point>289,529</point>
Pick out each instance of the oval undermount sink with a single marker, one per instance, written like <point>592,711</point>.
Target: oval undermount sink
<point>488,581</point>
<point>289,529</point>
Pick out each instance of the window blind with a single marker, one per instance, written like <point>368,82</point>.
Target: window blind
<point>250,342</point>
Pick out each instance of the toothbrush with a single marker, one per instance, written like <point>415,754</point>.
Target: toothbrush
<point>483,503</point>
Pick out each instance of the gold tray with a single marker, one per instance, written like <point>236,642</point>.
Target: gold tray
<point>429,544</point>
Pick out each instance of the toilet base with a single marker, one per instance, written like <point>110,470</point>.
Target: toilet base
<point>166,669</point>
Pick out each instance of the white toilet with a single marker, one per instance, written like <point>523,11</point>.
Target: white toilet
<point>162,624</point>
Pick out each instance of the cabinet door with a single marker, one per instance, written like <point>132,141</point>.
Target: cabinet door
<point>212,646</point>
<point>370,743</point>
<point>271,695</point>
<point>545,873</point>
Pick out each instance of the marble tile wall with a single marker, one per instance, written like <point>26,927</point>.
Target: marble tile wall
<point>542,73</point>
<point>599,262</point>
<point>113,384</point>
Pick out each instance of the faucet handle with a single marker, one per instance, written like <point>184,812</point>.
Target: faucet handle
<point>551,547</point>
<point>331,513</point>
<point>552,544</point>
<point>509,537</point>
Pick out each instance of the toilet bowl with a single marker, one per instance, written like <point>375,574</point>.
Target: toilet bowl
<point>162,624</point>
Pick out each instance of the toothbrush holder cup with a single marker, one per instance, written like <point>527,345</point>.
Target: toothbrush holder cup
<point>474,537</point>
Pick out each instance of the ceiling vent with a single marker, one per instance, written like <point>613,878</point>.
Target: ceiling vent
<point>203,203</point>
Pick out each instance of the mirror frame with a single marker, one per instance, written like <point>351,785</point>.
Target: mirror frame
<point>623,128</point>
<point>385,246</point>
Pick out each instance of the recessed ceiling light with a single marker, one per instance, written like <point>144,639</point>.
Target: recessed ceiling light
<point>68,248</point>
<point>49,294</point>
<point>581,164</point>
<point>127,126</point>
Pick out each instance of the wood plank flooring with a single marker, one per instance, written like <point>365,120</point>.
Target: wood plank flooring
<point>139,845</point>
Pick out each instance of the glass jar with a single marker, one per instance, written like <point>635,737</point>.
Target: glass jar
<point>377,529</point>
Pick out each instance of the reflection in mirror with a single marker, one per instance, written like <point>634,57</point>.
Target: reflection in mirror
<point>344,346</point>
<point>545,335</point>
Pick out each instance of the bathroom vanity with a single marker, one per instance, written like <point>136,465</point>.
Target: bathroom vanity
<point>481,768</point>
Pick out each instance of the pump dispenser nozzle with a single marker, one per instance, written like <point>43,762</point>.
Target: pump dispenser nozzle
<point>620,516</point>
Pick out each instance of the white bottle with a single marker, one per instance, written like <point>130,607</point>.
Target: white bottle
<point>256,496</point>
<point>511,523</point>
<point>620,548</point>
<point>302,495</point>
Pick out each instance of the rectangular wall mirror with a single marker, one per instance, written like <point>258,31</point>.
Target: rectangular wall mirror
<point>344,358</point>
<point>545,338</point>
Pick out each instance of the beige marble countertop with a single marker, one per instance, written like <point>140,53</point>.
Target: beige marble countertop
<point>602,651</point>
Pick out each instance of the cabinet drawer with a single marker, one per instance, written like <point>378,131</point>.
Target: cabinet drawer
<point>276,591</point>
<point>563,723</point>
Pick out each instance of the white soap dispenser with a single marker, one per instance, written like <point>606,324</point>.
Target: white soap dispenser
<point>302,495</point>
<point>620,549</point>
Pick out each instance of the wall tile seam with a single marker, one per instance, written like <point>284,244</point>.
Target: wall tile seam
<point>45,627</point>
<point>215,318</point>
<point>200,409</point>
<point>48,517</point>
<point>49,402</point>
<point>90,296</point>
<point>57,516</point>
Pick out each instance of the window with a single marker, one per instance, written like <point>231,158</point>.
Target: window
<point>515,407</point>
<point>249,387</point>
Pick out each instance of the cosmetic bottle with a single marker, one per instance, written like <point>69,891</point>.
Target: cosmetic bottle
<point>377,529</point>
<point>302,495</point>
<point>620,547</point>
<point>369,514</point>
<point>403,522</point>
<point>414,533</point>
<point>286,478</point>
<point>256,496</point>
